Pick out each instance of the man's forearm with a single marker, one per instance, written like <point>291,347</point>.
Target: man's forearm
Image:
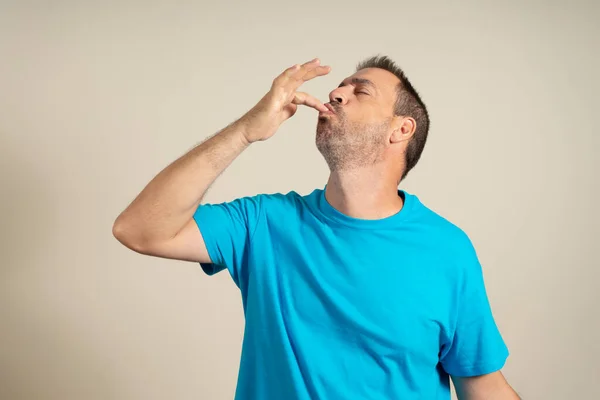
<point>169,200</point>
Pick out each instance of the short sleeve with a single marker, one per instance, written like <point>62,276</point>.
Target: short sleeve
<point>476,346</point>
<point>227,229</point>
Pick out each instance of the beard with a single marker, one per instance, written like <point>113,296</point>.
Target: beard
<point>349,145</point>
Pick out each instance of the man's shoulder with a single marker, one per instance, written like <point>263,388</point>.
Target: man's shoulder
<point>443,229</point>
<point>437,220</point>
<point>282,197</point>
<point>282,201</point>
<point>449,240</point>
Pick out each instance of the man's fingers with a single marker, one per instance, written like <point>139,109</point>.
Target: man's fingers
<point>298,73</point>
<point>305,99</point>
<point>318,71</point>
<point>288,73</point>
<point>293,77</point>
<point>308,70</point>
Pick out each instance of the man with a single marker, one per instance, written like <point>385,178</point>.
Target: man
<point>357,291</point>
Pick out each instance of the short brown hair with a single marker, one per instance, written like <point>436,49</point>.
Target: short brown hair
<point>408,103</point>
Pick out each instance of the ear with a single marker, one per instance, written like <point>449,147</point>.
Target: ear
<point>403,128</point>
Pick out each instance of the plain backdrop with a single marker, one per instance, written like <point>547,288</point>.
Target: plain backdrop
<point>97,97</point>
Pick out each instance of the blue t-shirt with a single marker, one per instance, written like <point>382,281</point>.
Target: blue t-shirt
<point>343,308</point>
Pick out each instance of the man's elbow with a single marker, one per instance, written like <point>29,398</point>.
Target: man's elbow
<point>128,235</point>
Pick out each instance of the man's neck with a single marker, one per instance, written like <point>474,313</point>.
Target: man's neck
<point>363,194</point>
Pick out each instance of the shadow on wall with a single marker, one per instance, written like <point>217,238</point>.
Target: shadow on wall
<point>42,354</point>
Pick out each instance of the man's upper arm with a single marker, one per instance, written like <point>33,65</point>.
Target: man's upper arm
<point>187,245</point>
<point>489,387</point>
<point>227,230</point>
<point>218,236</point>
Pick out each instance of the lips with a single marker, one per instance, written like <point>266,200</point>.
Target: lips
<point>330,108</point>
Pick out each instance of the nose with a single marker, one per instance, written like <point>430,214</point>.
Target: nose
<point>337,96</point>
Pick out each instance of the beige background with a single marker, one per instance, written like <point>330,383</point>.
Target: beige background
<point>96,98</point>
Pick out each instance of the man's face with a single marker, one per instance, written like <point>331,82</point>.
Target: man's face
<point>355,133</point>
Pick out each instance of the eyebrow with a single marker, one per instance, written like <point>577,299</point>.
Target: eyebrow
<point>360,81</point>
